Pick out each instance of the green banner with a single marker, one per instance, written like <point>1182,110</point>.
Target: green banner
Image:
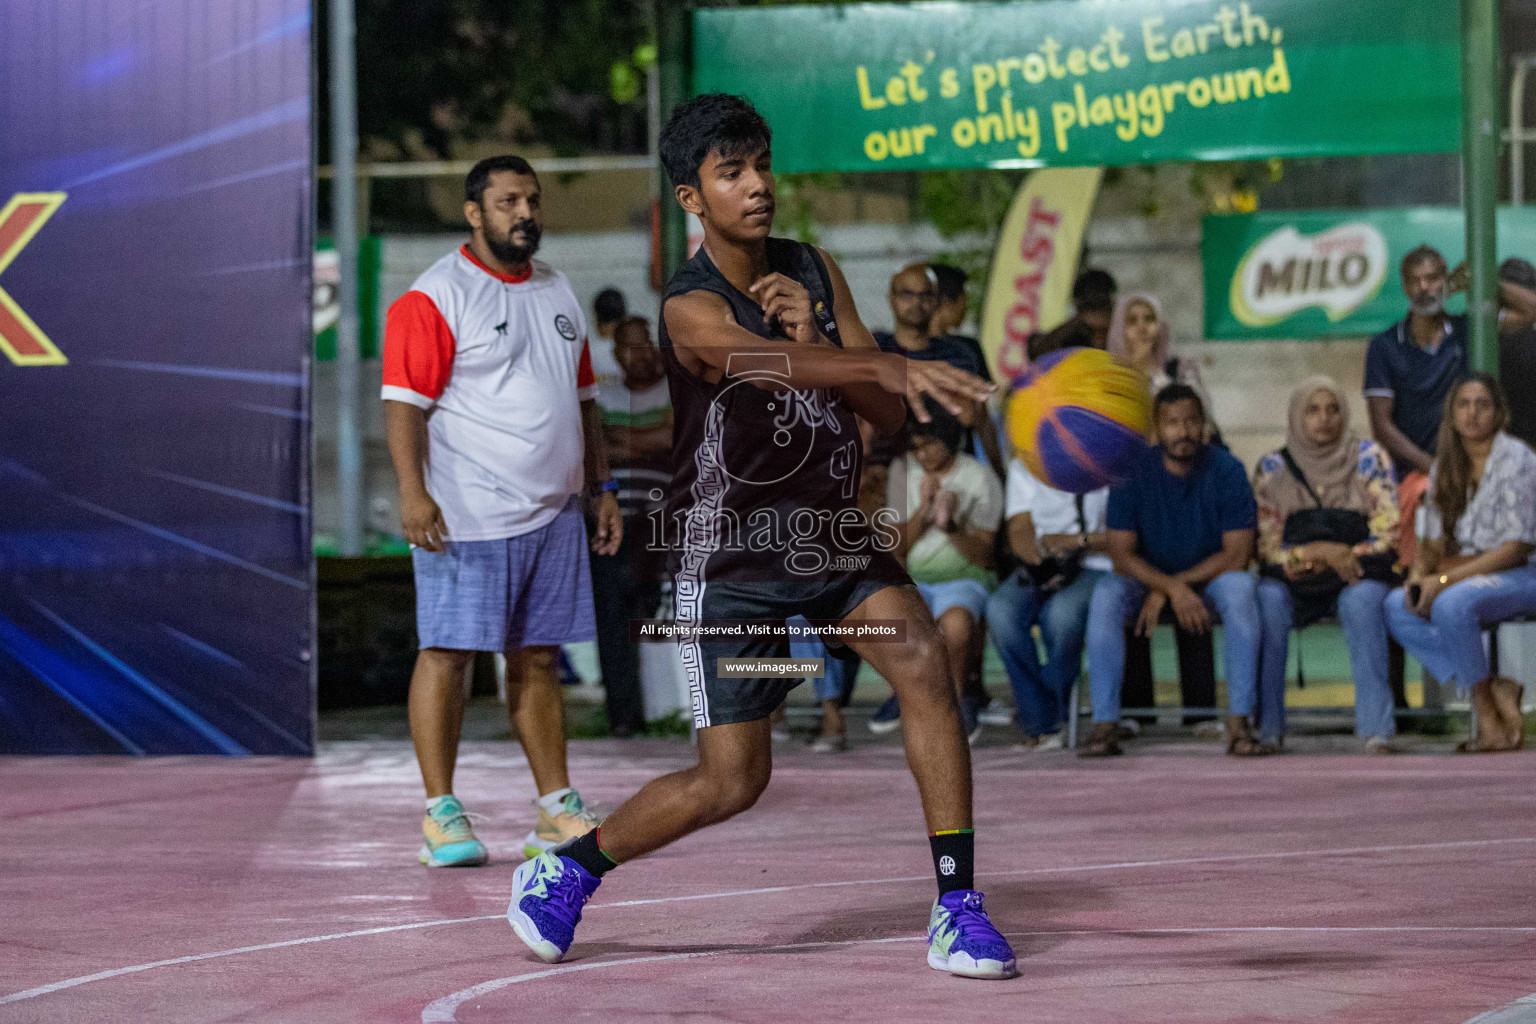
<point>866,87</point>
<point>1330,273</point>
<point>326,306</point>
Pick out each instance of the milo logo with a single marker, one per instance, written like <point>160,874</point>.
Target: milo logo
<point>1285,272</point>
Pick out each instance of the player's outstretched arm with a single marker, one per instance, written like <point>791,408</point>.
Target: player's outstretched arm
<point>707,339</point>
<point>884,410</point>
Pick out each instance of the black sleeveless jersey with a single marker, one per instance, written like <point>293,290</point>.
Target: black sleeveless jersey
<point>764,479</point>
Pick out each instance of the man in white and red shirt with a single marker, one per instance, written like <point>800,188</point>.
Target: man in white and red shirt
<point>493,427</point>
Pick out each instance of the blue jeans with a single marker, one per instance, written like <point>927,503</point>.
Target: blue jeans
<point>1364,619</point>
<point>1040,693</point>
<point>1117,601</point>
<point>842,665</point>
<point>1450,643</point>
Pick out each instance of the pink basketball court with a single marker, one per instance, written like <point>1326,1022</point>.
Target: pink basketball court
<point>1170,885</point>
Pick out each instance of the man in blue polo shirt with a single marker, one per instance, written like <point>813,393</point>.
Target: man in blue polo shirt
<point>1410,366</point>
<point>1180,534</point>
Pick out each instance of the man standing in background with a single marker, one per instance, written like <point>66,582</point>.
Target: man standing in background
<point>489,411</point>
<point>608,308</point>
<point>637,423</point>
<point>1410,367</point>
<point>1517,355</point>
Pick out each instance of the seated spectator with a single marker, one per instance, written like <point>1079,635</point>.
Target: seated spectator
<point>1180,534</point>
<point>1327,521</point>
<point>953,505</point>
<point>1139,336</point>
<point>1477,531</point>
<point>1060,539</point>
<point>914,299</point>
<point>948,317</point>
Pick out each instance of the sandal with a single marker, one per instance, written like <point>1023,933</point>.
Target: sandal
<point>1102,741</point>
<point>1241,742</point>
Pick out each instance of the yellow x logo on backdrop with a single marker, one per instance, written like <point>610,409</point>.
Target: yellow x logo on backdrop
<point>23,342</point>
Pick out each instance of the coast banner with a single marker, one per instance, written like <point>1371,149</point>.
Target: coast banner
<point>1329,273</point>
<point>1029,83</point>
<point>1030,288</point>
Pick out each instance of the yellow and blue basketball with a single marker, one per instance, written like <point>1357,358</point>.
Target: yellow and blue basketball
<point>1079,419</point>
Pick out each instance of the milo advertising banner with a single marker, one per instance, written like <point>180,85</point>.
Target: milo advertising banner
<point>1329,273</point>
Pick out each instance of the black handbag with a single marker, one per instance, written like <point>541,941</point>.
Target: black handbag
<point>1054,572</point>
<point>1316,594</point>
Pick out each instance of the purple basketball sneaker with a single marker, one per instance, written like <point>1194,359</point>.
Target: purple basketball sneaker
<point>963,941</point>
<point>548,893</point>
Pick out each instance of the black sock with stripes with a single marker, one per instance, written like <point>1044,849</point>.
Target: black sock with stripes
<point>585,851</point>
<point>954,859</point>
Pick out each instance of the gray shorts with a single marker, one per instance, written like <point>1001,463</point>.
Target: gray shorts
<point>534,590</point>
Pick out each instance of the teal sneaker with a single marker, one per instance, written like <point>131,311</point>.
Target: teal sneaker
<point>573,821</point>
<point>963,941</point>
<point>447,840</point>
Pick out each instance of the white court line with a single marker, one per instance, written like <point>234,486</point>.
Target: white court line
<point>1521,1011</point>
<point>446,1009</point>
<point>43,990</point>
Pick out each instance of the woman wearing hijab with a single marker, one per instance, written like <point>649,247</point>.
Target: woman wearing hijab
<point>1477,533</point>
<point>1327,518</point>
<point>1139,337</point>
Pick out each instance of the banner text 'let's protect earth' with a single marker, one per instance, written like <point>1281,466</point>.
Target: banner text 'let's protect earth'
<point>1074,82</point>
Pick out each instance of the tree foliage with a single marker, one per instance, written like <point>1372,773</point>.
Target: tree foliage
<point>434,72</point>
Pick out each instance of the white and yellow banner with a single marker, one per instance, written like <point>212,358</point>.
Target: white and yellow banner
<point>1036,261</point>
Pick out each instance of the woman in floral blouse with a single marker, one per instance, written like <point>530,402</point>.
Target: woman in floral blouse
<point>1327,514</point>
<point>1477,531</point>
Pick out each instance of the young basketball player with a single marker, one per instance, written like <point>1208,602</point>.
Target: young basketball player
<point>769,368</point>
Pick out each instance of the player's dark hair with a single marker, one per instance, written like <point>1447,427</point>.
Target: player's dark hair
<point>1518,271</point>
<point>1419,255</point>
<point>951,281</point>
<point>609,306</point>
<point>1176,392</point>
<point>942,426</point>
<point>1094,290</point>
<point>479,176</point>
<point>713,123</point>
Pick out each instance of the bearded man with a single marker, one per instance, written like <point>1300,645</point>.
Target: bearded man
<point>491,414</point>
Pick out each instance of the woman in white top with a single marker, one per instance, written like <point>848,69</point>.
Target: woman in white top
<point>1060,539</point>
<point>1477,530</point>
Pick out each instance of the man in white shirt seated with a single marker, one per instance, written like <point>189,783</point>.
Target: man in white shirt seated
<point>1060,539</point>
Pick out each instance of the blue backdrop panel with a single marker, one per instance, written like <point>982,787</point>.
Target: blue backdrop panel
<point>156,588</point>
